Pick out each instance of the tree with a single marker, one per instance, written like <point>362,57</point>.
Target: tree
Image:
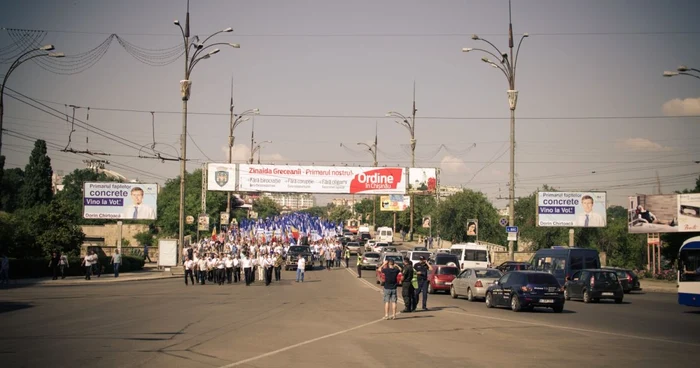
<point>55,230</point>
<point>169,204</point>
<point>12,182</point>
<point>318,211</point>
<point>266,207</point>
<point>38,187</point>
<point>339,214</point>
<point>526,219</point>
<point>145,238</point>
<point>72,194</point>
<point>452,214</point>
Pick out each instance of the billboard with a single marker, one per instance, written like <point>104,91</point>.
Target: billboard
<point>427,222</point>
<point>472,227</point>
<point>394,203</point>
<point>221,177</point>
<point>664,213</point>
<point>321,179</point>
<point>571,209</point>
<point>122,201</point>
<point>422,180</point>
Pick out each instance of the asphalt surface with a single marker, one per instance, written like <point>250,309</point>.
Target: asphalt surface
<point>332,319</point>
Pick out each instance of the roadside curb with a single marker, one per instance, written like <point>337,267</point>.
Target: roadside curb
<point>81,282</point>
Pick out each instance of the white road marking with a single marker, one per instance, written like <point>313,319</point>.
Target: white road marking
<point>245,361</point>
<point>575,329</point>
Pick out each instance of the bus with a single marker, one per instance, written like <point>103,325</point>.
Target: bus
<point>689,273</point>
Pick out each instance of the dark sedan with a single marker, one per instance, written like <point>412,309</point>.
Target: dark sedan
<point>628,279</point>
<point>525,290</point>
<point>509,266</point>
<point>594,285</point>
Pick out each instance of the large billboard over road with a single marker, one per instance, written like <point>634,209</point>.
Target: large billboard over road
<point>321,179</point>
<point>120,201</point>
<point>664,213</point>
<point>221,177</point>
<point>422,180</point>
<point>396,202</point>
<point>571,209</point>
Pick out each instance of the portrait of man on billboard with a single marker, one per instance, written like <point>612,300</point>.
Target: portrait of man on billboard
<point>589,218</point>
<point>138,210</point>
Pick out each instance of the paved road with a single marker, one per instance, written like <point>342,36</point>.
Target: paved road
<point>334,318</point>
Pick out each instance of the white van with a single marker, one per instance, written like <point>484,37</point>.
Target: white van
<point>471,255</point>
<point>384,235</point>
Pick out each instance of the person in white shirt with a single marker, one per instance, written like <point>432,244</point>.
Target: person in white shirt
<point>236,269</point>
<point>137,210</point>
<point>301,267</point>
<point>220,270</point>
<point>589,218</point>
<point>269,263</point>
<point>261,267</point>
<point>247,264</point>
<point>87,263</point>
<point>202,270</point>
<point>189,265</point>
<point>229,268</point>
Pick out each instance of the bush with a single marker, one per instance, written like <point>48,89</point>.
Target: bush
<point>38,267</point>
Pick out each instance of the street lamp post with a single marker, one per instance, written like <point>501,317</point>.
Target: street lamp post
<point>410,124</point>
<point>507,64</point>
<point>257,149</point>
<point>21,59</point>
<point>195,51</point>
<point>235,120</point>
<point>373,150</point>
<point>684,70</point>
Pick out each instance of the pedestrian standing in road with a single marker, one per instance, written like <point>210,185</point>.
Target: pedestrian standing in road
<point>359,264</point>
<point>189,265</point>
<point>63,265</point>
<point>229,268</point>
<point>54,265</point>
<point>268,263</point>
<point>236,269</point>
<point>220,270</point>
<point>87,263</point>
<point>261,267</point>
<point>247,264</point>
<point>116,262</point>
<point>338,255</point>
<point>391,273</point>
<point>202,269</point>
<point>422,269</point>
<point>347,257</point>
<point>4,269</point>
<point>407,291</point>
<point>278,266</point>
<point>301,267</point>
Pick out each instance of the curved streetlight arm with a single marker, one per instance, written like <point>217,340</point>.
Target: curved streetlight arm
<point>404,121</point>
<point>504,69</point>
<point>239,120</point>
<point>517,52</point>
<point>369,147</point>
<point>214,34</point>
<point>500,57</point>
<point>692,75</point>
<point>19,62</point>
<point>200,50</point>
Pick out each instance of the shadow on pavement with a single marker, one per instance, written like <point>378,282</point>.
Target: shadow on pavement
<point>13,306</point>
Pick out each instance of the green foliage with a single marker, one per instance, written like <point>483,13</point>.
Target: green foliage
<point>169,204</point>
<point>318,211</point>
<point>37,177</point>
<point>12,182</point>
<point>526,220</point>
<point>266,207</point>
<point>145,238</point>
<point>452,215</point>
<point>38,267</point>
<point>72,194</point>
<point>41,229</point>
<point>339,214</point>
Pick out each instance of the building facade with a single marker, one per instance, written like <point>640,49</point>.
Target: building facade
<point>293,201</point>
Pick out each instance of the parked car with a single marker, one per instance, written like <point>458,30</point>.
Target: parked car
<point>414,255</point>
<point>446,259</point>
<point>370,260</point>
<point>420,249</point>
<point>440,278</point>
<point>473,282</point>
<point>293,256</point>
<point>354,247</point>
<point>369,245</point>
<point>526,290</point>
<point>508,266</point>
<point>594,285</point>
<point>389,249</point>
<point>398,260</point>
<point>628,279</point>
<point>378,247</point>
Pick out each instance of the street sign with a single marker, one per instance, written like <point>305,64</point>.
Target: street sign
<point>503,221</point>
<point>511,229</point>
<point>512,236</point>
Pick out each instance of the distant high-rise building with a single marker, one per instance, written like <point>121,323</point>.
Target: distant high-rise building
<point>292,201</point>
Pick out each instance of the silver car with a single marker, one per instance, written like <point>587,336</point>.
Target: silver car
<point>353,247</point>
<point>370,260</point>
<point>473,282</point>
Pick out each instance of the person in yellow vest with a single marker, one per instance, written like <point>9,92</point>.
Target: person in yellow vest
<point>359,264</point>
<point>347,257</point>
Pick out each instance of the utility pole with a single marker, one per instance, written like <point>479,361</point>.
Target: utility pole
<point>373,150</point>
<point>230,147</point>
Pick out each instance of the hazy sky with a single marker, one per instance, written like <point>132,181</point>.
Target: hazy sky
<point>591,108</point>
